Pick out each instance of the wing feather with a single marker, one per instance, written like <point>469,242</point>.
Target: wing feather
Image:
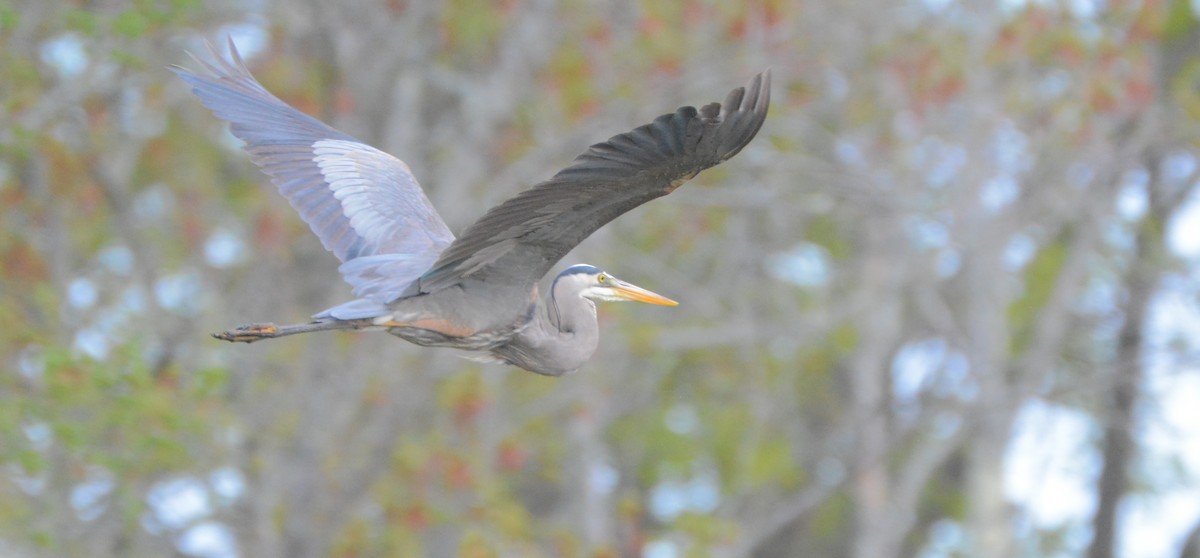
<point>517,242</point>
<point>361,202</point>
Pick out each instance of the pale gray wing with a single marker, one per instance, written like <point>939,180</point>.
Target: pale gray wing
<point>517,242</point>
<point>364,205</point>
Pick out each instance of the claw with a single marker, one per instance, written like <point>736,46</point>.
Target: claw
<point>248,333</point>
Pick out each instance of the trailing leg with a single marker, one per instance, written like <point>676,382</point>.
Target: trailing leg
<point>256,332</point>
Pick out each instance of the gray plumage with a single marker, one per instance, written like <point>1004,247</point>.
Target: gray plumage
<point>412,277</point>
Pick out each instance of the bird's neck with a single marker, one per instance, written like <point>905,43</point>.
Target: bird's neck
<point>570,334</point>
<point>569,316</point>
<point>560,339</point>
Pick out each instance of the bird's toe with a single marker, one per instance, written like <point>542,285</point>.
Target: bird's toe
<point>248,333</point>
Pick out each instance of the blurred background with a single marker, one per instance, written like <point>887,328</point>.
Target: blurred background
<point>944,305</point>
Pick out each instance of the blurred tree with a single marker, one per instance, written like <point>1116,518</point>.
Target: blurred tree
<point>933,232</point>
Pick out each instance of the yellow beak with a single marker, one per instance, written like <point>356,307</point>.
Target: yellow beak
<point>629,291</point>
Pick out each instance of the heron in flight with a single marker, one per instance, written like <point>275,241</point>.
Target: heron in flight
<point>412,278</point>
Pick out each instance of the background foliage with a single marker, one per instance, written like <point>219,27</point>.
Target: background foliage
<point>964,240</point>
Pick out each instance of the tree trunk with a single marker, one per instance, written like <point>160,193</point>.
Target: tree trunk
<point>1119,448</point>
<point>876,532</point>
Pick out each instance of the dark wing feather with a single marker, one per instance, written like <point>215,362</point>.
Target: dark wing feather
<point>358,200</point>
<point>517,242</point>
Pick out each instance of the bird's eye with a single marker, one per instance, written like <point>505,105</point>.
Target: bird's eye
<point>602,278</point>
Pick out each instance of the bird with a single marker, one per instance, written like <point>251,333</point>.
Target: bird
<point>411,277</point>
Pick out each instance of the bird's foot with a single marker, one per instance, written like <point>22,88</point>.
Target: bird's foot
<point>249,333</point>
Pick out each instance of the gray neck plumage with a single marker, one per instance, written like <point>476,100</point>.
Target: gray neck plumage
<point>562,337</point>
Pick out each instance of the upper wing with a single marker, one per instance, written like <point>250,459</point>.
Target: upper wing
<point>358,200</point>
<point>518,241</point>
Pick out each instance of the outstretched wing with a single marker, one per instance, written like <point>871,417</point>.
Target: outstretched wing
<point>361,202</point>
<point>517,242</point>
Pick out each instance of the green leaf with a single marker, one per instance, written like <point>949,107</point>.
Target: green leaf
<point>82,21</point>
<point>9,19</point>
<point>824,231</point>
<point>131,23</point>
<point>771,463</point>
<point>1040,278</point>
<point>1180,20</point>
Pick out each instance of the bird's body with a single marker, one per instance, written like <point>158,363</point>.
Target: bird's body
<point>477,292</point>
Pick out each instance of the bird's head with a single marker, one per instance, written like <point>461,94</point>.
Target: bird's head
<point>596,284</point>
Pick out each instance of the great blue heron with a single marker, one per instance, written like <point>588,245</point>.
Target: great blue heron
<point>413,278</point>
